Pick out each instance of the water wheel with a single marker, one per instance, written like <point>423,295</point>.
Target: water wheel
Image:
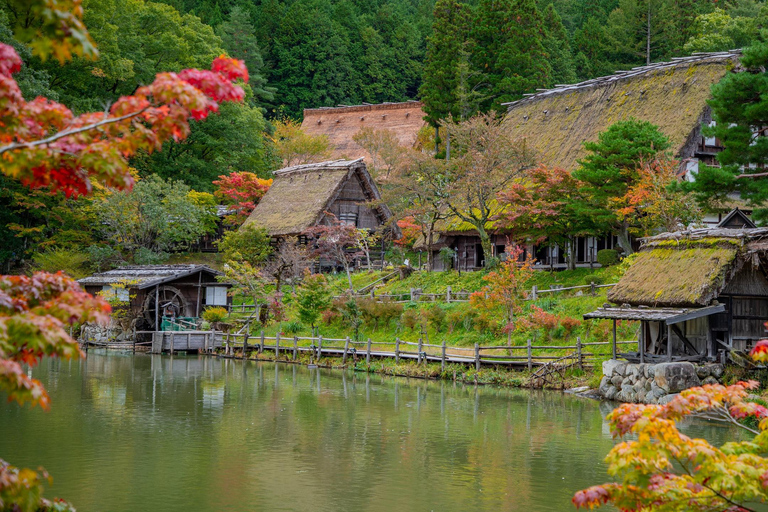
<point>172,303</point>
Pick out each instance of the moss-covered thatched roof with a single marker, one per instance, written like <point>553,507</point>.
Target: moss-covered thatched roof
<point>300,195</point>
<point>671,95</point>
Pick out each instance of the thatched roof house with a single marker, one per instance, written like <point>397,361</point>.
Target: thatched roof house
<point>671,95</point>
<point>180,290</point>
<point>704,289</point>
<point>341,123</point>
<point>302,196</point>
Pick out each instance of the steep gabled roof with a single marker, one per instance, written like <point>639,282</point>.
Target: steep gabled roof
<point>341,123</point>
<point>671,95</point>
<point>300,195</point>
<point>145,276</point>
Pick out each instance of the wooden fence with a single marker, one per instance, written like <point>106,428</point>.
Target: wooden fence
<point>289,348</point>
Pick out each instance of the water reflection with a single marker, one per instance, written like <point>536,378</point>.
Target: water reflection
<point>141,432</point>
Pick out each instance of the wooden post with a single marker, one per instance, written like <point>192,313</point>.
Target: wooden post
<point>477,357</point>
<point>411,294</point>
<point>346,348</point>
<point>134,336</point>
<point>592,288</point>
<point>613,346</point>
<point>534,292</point>
<point>368,353</point>
<point>319,347</point>
<point>397,350</point>
<point>669,343</point>
<point>530,354</point>
<point>171,337</point>
<point>418,357</point>
<point>245,344</point>
<point>442,357</point>
<point>277,345</point>
<point>261,343</point>
<point>578,353</point>
<point>448,294</point>
<point>641,343</point>
<point>213,342</point>
<point>189,335</point>
<point>157,307</point>
<point>295,347</point>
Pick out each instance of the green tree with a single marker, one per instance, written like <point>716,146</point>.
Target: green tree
<point>738,106</point>
<point>642,31</point>
<point>612,167</point>
<point>249,244</point>
<point>591,45</point>
<point>508,50</point>
<point>312,298</point>
<point>718,31</point>
<point>558,47</point>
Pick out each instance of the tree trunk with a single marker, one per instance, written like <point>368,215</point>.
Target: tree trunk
<point>485,242</point>
<point>623,236</point>
<point>571,253</point>
<point>447,145</point>
<point>349,279</point>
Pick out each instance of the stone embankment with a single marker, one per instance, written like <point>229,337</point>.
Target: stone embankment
<point>653,383</point>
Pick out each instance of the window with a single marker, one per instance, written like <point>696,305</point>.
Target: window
<point>348,218</point>
<point>121,293</point>
<point>216,296</point>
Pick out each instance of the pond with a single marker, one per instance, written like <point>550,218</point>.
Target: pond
<point>161,433</point>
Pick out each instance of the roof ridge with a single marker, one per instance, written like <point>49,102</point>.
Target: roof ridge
<point>330,164</point>
<point>623,74</point>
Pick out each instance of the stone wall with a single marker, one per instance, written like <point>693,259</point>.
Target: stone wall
<point>653,383</point>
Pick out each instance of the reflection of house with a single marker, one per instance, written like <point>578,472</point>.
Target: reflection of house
<point>181,290</point>
<point>706,290</point>
<point>302,196</point>
<point>340,124</point>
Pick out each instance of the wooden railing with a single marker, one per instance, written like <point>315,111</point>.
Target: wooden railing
<point>521,355</point>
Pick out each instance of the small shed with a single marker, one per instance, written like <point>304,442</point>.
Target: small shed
<point>180,291</point>
<point>695,293</point>
<point>302,196</point>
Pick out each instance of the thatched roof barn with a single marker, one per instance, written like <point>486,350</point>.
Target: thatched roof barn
<point>302,196</point>
<point>671,95</point>
<point>341,123</point>
<point>180,290</point>
<point>704,289</point>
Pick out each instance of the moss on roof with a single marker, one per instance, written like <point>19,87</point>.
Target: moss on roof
<point>676,276</point>
<point>670,95</point>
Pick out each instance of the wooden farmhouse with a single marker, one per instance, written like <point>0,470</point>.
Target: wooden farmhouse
<point>340,124</point>
<point>182,291</point>
<point>303,196</point>
<point>555,123</point>
<point>695,293</point>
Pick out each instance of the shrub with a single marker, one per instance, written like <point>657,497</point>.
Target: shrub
<point>292,327</point>
<point>72,262</point>
<point>436,317</point>
<point>329,315</point>
<point>594,278</point>
<point>215,314</point>
<point>410,319</point>
<point>388,311</point>
<point>144,256</point>
<point>103,257</point>
<point>454,318</point>
<point>607,257</point>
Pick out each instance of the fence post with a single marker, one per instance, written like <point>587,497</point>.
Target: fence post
<point>397,350</point>
<point>319,347</point>
<point>442,357</point>
<point>295,347</point>
<point>534,292</point>
<point>245,344</point>
<point>530,353</point>
<point>261,343</point>
<point>346,347</point>
<point>277,345</point>
<point>418,357</point>
<point>411,294</point>
<point>448,294</point>
<point>592,288</point>
<point>373,294</point>
<point>578,352</point>
<point>368,353</point>
<point>477,357</point>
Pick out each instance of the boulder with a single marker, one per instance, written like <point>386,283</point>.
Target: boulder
<point>702,372</point>
<point>610,393</point>
<point>616,380</point>
<point>666,399</point>
<point>710,380</point>
<point>716,370</point>
<point>613,367</point>
<point>675,377</point>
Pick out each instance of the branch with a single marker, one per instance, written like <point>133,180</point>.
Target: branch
<point>67,133</point>
<point>755,175</point>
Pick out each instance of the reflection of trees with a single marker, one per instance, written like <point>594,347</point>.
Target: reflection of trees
<point>216,434</point>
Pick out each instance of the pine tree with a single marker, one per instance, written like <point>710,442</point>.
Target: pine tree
<point>642,31</point>
<point>558,48</point>
<point>508,51</point>
<point>441,80</point>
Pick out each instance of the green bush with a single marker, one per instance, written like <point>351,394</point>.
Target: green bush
<point>292,327</point>
<point>144,256</point>
<point>436,317</point>
<point>103,257</point>
<point>72,262</point>
<point>607,257</point>
<point>410,319</point>
<point>594,278</point>
<point>215,314</point>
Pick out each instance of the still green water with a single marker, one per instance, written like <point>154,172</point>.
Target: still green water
<point>157,433</point>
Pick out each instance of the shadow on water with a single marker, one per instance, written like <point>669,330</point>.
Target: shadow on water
<point>147,432</point>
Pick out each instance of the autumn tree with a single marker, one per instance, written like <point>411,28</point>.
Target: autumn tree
<point>336,242</point>
<point>506,287</point>
<point>242,191</point>
<point>488,158</point>
<point>612,166</point>
<point>288,260</point>
<point>545,206</point>
<point>384,148</point>
<point>43,144</point>
<point>249,244</point>
<point>312,298</point>
<point>295,146</point>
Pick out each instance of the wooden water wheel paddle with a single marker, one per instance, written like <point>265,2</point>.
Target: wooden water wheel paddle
<point>171,301</point>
